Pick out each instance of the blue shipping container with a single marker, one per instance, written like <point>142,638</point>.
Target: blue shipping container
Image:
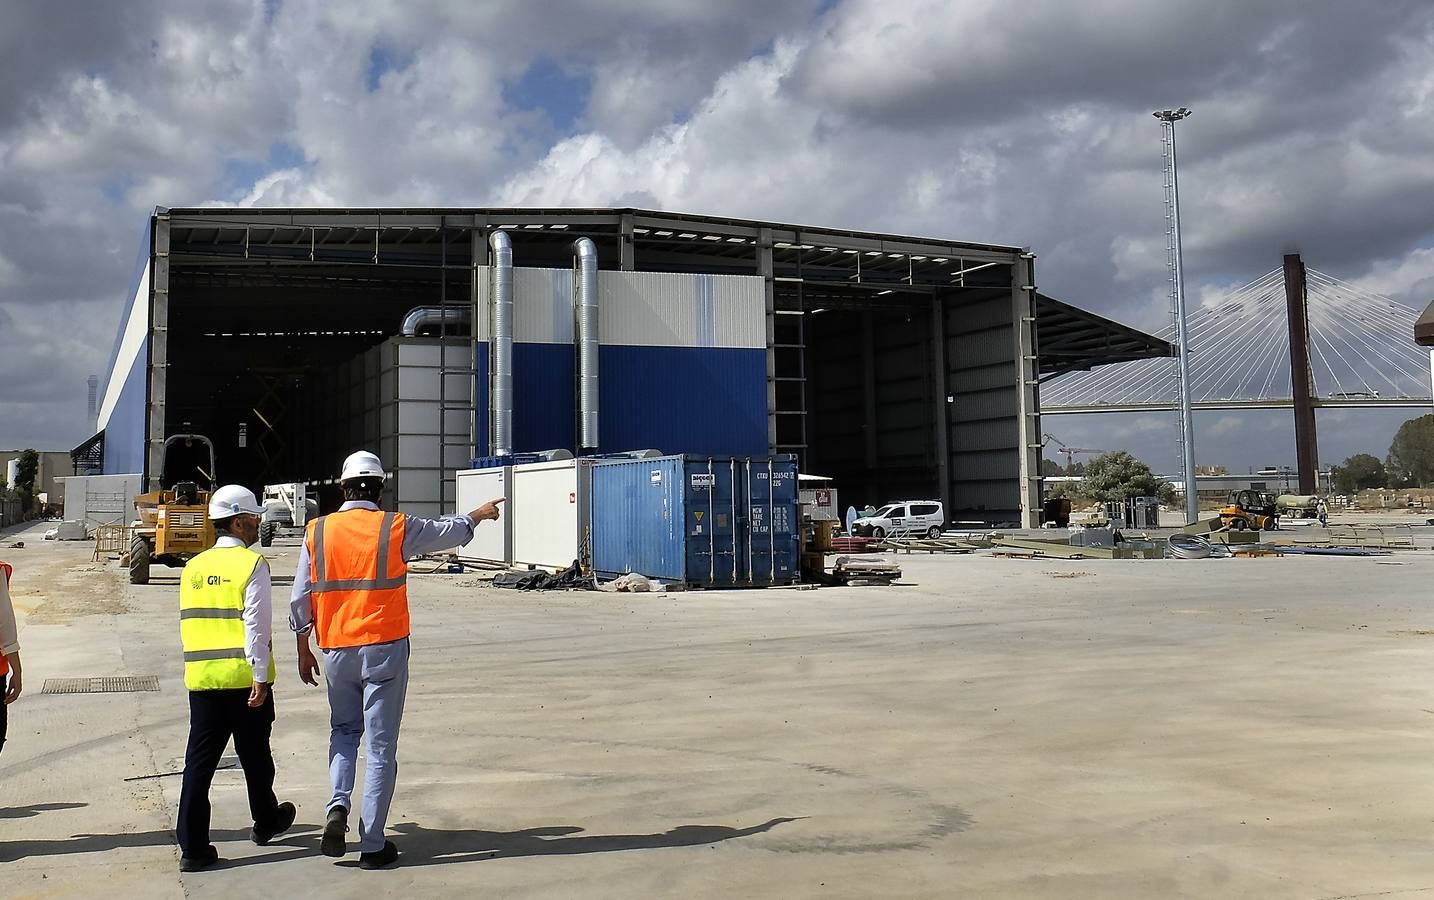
<point>703,521</point>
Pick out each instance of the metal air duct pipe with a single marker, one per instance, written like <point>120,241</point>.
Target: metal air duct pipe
<point>500,350</point>
<point>420,316</point>
<point>585,313</point>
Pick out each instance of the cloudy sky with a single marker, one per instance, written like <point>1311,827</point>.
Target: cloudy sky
<point>1021,123</point>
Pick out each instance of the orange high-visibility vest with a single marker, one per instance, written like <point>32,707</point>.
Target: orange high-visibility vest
<point>5,663</point>
<point>358,578</point>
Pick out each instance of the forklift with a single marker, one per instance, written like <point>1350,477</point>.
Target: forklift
<point>1251,509</point>
<point>174,525</point>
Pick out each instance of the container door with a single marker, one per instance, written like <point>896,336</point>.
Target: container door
<point>713,510</point>
<point>773,539</point>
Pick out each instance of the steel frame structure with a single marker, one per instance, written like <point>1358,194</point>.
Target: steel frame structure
<point>805,269</point>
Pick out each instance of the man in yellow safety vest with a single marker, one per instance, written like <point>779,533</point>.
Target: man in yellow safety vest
<point>225,622</point>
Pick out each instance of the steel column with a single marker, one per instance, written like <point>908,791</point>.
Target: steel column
<point>1028,422</point>
<point>1176,260</point>
<point>158,352</point>
<point>769,288</point>
<point>941,411</point>
<point>627,253</point>
<point>1301,382</point>
<point>868,389</point>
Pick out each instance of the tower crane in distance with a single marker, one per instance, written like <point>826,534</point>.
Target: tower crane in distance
<point>1070,452</point>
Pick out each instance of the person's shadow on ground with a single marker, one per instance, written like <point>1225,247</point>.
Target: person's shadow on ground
<point>434,846</point>
<point>26,812</point>
<point>297,843</point>
<point>421,846</point>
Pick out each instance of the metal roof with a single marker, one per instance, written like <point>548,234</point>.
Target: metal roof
<point>538,219</point>
<point>1070,339</point>
<point>812,266</point>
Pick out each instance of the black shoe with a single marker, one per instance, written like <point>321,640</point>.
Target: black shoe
<point>379,859</point>
<point>282,820</point>
<point>196,863</point>
<point>334,830</point>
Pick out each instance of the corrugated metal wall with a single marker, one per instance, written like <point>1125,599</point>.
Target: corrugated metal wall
<point>682,362</point>
<point>984,436</point>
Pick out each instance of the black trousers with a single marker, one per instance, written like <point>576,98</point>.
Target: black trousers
<point>214,717</point>
<point>4,715</point>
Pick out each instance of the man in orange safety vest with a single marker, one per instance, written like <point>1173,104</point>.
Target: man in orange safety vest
<point>351,593</point>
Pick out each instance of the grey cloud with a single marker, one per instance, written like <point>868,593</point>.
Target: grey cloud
<point>1312,126</point>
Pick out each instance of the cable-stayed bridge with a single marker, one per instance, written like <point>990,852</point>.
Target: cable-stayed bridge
<point>1361,350</point>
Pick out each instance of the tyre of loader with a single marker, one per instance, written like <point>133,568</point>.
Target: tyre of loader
<point>138,560</point>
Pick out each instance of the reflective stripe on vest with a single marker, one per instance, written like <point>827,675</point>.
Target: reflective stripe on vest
<point>5,569</point>
<point>358,578</point>
<point>211,619</point>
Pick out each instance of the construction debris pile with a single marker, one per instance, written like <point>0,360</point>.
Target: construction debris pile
<point>1211,538</point>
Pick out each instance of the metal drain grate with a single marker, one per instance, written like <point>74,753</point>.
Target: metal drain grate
<point>122,684</point>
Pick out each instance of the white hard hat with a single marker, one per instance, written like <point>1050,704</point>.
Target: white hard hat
<point>362,464</point>
<point>233,500</point>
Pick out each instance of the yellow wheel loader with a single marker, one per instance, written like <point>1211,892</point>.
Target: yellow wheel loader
<point>174,525</point>
<point>1251,509</point>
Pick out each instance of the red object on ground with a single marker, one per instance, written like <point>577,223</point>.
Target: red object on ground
<point>852,544</point>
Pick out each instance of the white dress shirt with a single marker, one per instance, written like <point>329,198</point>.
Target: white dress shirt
<point>9,634</point>
<point>258,613</point>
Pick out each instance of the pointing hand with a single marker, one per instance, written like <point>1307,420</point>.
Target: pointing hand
<point>488,512</point>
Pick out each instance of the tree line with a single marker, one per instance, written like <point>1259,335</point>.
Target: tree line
<point>1409,462</point>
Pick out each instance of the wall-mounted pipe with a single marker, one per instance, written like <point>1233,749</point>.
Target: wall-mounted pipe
<point>585,313</point>
<point>435,316</point>
<point>500,347</point>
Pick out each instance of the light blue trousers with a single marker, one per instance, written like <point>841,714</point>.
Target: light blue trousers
<point>367,687</point>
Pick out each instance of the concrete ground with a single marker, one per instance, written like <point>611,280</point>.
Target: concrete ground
<point>989,727</point>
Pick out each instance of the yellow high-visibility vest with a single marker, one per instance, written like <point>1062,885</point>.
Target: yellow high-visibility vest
<point>211,619</point>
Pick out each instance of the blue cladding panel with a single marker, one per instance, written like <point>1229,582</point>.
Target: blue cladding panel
<point>543,397</point>
<point>707,401</point>
<point>707,522</point>
<point>125,432</point>
<point>480,398</point>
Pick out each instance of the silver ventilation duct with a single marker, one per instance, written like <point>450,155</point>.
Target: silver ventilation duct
<point>585,312</point>
<point>500,369</point>
<point>422,316</point>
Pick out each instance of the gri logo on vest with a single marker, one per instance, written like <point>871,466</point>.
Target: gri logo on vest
<point>214,580</point>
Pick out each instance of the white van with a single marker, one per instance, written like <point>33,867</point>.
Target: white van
<point>905,518</point>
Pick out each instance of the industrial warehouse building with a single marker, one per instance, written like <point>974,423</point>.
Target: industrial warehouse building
<point>900,367</point>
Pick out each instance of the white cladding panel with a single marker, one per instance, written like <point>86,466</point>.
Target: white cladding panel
<point>491,541</point>
<point>136,329</point>
<point>654,309</point>
<point>546,505</point>
<point>101,499</point>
